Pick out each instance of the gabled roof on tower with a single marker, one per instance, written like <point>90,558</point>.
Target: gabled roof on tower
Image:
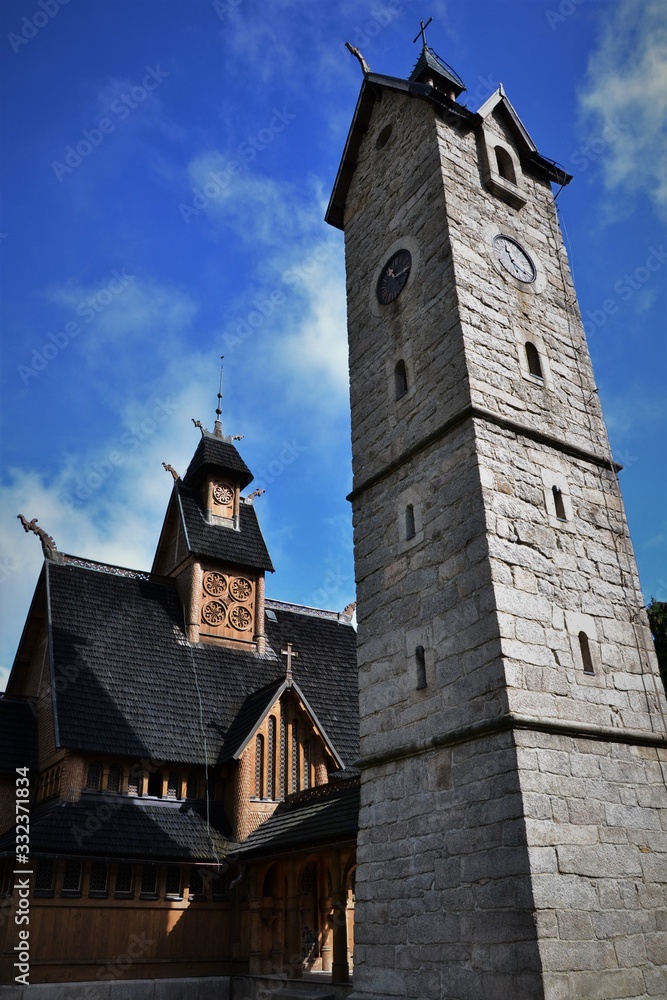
<point>371,91</point>
<point>499,99</point>
<point>245,547</point>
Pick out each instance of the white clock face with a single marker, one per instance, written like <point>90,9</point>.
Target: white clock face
<point>514,258</point>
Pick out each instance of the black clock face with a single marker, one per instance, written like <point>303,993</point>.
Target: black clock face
<point>393,277</point>
<point>514,259</point>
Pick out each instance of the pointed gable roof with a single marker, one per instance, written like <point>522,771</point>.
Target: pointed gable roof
<point>245,547</point>
<point>431,66</point>
<point>216,452</point>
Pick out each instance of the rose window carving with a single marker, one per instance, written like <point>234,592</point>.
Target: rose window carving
<point>240,618</point>
<point>215,584</point>
<point>223,494</point>
<point>214,612</point>
<point>240,589</point>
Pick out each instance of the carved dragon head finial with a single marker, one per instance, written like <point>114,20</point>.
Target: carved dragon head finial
<point>200,425</point>
<point>170,468</point>
<point>49,547</point>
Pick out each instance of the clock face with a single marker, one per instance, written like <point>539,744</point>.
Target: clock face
<point>514,259</point>
<point>393,277</point>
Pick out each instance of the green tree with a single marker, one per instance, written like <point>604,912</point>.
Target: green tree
<point>657,619</point>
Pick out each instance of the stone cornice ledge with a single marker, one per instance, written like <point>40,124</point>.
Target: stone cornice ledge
<point>469,412</point>
<point>509,723</point>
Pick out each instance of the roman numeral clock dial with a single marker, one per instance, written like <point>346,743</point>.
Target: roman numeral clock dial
<point>393,277</point>
<point>514,259</point>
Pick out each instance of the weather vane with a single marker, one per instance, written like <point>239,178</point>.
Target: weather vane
<point>218,412</point>
<point>422,32</point>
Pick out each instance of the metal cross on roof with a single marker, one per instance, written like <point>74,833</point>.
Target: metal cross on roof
<point>290,654</point>
<point>422,32</point>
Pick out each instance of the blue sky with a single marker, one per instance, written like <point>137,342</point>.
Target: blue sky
<point>166,168</point>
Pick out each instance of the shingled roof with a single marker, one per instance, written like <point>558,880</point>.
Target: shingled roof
<point>245,547</point>
<point>213,451</point>
<point>324,813</point>
<point>130,683</point>
<point>126,828</point>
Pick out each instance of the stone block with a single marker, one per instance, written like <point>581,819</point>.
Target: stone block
<point>612,859</point>
<point>603,985</point>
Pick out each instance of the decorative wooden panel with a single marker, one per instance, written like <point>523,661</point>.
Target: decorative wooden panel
<point>227,605</point>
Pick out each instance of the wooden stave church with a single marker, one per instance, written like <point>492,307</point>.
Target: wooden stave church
<point>193,782</point>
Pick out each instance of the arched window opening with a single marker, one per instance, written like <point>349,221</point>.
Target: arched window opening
<point>155,784</point>
<point>400,379</point>
<point>585,649</point>
<point>259,767</point>
<point>505,165</point>
<point>409,521</point>
<point>113,779</point>
<point>420,660</point>
<point>296,770</point>
<point>192,787</point>
<point>558,503</point>
<point>271,759</point>
<point>173,786</point>
<point>283,757</point>
<point>93,777</point>
<point>306,765</point>
<point>533,359</point>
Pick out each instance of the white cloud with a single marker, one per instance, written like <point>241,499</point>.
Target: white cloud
<point>624,102</point>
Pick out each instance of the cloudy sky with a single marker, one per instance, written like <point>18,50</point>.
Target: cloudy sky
<point>167,164</point>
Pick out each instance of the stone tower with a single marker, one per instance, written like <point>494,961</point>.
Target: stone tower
<point>513,824</point>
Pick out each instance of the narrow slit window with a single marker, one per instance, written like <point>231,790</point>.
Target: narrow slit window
<point>93,777</point>
<point>533,359</point>
<point>283,757</point>
<point>505,165</point>
<point>271,761</point>
<point>400,379</point>
<point>259,767</point>
<point>585,649</point>
<point>420,660</point>
<point>409,521</point>
<point>296,770</point>
<point>558,503</point>
<point>172,885</point>
<point>306,765</point>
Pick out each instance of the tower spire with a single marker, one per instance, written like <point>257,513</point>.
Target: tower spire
<point>218,411</point>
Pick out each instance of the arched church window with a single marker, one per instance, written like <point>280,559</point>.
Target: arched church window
<point>533,359</point>
<point>271,759</point>
<point>409,521</point>
<point>585,650</point>
<point>113,779</point>
<point>558,503</point>
<point>400,379</point>
<point>93,777</point>
<point>420,660</point>
<point>259,766</point>
<point>505,165</point>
